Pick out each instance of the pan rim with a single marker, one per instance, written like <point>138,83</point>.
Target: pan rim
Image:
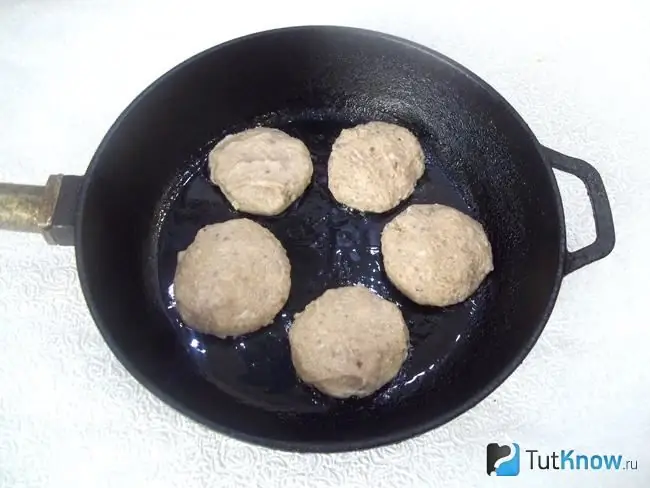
<point>315,446</point>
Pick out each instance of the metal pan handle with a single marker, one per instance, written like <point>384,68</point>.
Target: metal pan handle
<point>605,236</point>
<point>49,210</point>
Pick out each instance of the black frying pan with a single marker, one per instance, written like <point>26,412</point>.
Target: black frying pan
<point>146,193</point>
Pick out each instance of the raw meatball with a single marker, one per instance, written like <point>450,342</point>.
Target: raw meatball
<point>374,166</point>
<point>233,279</point>
<point>348,342</point>
<point>261,171</point>
<point>435,254</point>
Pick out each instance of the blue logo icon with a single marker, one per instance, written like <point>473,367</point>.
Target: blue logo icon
<point>503,460</point>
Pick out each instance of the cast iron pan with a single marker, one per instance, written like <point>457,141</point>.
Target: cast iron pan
<point>146,194</point>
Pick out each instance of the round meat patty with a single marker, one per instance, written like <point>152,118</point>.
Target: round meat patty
<point>348,342</point>
<point>435,254</point>
<point>374,166</point>
<point>233,278</point>
<point>261,171</point>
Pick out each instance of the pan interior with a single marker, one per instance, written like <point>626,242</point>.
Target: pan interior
<point>328,246</point>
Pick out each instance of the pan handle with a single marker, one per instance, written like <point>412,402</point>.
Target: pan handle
<point>605,235</point>
<point>49,210</point>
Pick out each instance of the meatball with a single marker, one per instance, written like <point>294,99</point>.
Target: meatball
<point>348,342</point>
<point>435,254</point>
<point>261,171</point>
<point>374,166</point>
<point>233,279</point>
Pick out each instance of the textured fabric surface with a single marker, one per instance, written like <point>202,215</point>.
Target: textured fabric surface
<point>71,416</point>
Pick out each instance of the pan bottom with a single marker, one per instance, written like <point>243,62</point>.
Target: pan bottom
<point>328,246</point>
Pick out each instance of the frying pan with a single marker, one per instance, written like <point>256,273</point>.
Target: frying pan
<point>146,194</point>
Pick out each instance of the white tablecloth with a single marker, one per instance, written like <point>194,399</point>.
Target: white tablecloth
<point>578,72</point>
